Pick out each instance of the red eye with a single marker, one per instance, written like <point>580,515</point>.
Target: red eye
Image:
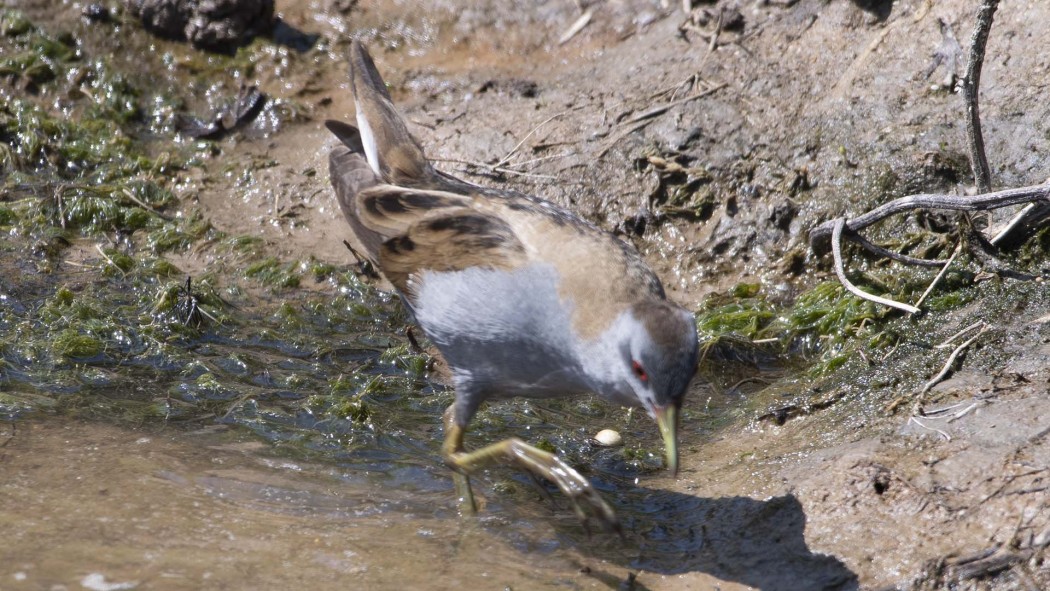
<point>639,371</point>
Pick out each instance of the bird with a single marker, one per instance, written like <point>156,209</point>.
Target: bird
<point>520,296</point>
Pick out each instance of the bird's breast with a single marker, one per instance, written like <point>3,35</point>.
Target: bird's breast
<point>507,326</point>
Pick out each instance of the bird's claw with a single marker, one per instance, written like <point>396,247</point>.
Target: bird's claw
<point>586,502</point>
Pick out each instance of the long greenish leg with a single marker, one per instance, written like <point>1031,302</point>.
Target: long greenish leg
<point>452,446</point>
<point>586,501</point>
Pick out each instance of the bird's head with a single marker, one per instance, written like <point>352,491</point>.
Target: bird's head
<point>656,358</point>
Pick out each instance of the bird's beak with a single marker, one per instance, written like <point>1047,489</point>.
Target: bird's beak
<point>667,420</point>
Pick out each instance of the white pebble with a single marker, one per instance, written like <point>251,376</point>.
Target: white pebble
<point>608,438</point>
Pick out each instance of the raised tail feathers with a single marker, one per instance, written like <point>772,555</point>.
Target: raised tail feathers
<point>393,153</point>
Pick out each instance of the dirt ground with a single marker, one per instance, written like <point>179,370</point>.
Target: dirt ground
<point>823,95</point>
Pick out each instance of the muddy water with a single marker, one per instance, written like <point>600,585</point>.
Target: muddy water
<point>86,504</point>
<point>95,506</point>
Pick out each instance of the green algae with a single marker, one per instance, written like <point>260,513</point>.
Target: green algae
<point>274,273</point>
<point>71,344</point>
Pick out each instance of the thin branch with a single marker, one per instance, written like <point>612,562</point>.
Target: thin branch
<point>660,109</point>
<point>939,276</point>
<point>503,161</point>
<point>836,249</point>
<point>1027,221</point>
<point>949,340</point>
<point>819,236</point>
<point>951,360</point>
<point>110,261</point>
<point>885,252</point>
<point>971,83</point>
<point>1011,225</point>
<point>987,254</point>
<point>493,169</point>
<point>127,193</point>
<point>962,413</point>
<point>943,433</point>
<point>576,27</point>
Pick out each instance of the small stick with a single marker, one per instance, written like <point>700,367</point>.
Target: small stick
<point>576,27</point>
<point>99,249</point>
<point>497,169</point>
<point>919,423</point>
<point>714,42</point>
<point>644,119</point>
<point>1027,221</point>
<point>503,161</point>
<point>978,160</point>
<point>963,412</point>
<point>951,359</point>
<point>544,158</point>
<point>58,202</point>
<point>903,258</point>
<point>947,342</point>
<point>143,205</point>
<point>932,414</point>
<point>891,351</point>
<point>1012,224</point>
<point>660,109</point>
<point>818,236</point>
<point>939,276</point>
<point>1008,481</point>
<point>840,271</point>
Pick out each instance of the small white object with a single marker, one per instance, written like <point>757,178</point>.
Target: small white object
<point>608,438</point>
<point>98,582</point>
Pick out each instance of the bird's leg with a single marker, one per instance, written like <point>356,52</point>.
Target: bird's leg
<point>586,501</point>
<point>454,446</point>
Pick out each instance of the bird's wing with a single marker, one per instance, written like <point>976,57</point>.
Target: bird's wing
<point>433,231</point>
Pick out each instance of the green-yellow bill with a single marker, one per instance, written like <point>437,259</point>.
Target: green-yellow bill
<point>667,420</point>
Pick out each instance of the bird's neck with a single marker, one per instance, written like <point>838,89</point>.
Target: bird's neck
<point>603,362</point>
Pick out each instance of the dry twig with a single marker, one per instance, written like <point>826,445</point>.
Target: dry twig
<point>110,261</point>
<point>840,271</point>
<point>576,27</point>
<point>942,433</point>
<point>819,236</point>
<point>949,340</point>
<point>127,193</point>
<point>939,276</point>
<point>951,360</point>
<point>970,84</point>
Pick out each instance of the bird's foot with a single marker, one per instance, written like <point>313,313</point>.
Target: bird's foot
<point>586,502</point>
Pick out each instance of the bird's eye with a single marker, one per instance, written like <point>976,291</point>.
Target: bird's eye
<point>639,371</point>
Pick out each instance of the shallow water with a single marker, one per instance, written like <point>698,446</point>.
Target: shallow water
<point>299,439</point>
<point>88,503</point>
<point>213,508</point>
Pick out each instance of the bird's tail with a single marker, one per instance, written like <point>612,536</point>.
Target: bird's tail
<point>392,153</point>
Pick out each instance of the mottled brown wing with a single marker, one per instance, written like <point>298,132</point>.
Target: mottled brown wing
<point>435,231</point>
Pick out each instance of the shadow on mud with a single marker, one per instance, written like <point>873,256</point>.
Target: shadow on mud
<point>753,542</point>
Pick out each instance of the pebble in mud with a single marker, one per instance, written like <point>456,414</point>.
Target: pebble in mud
<point>608,438</point>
